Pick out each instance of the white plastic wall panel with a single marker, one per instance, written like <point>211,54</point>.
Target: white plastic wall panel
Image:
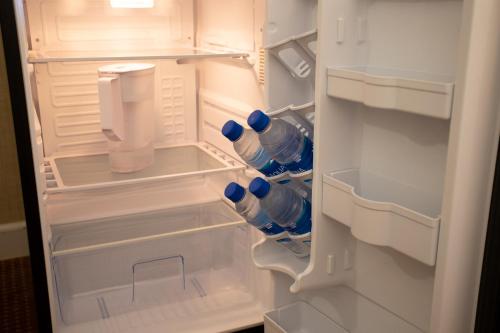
<point>215,110</point>
<point>412,35</point>
<point>284,85</point>
<point>289,18</point>
<point>226,23</point>
<point>95,25</point>
<point>69,105</point>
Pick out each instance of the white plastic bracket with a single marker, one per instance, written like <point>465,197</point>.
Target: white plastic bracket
<point>330,264</point>
<point>340,30</point>
<point>361,29</point>
<point>347,260</point>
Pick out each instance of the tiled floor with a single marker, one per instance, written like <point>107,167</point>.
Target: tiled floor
<point>17,309</point>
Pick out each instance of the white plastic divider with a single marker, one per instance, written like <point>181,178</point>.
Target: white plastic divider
<point>179,54</point>
<point>415,92</point>
<point>299,317</point>
<point>210,160</point>
<point>306,40</point>
<point>383,212</point>
<point>297,53</point>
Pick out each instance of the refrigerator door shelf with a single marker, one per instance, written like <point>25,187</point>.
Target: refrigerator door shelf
<point>88,172</point>
<point>382,211</point>
<point>299,317</point>
<point>415,92</point>
<point>267,254</point>
<point>179,54</point>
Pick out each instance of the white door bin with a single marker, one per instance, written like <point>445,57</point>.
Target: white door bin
<point>299,317</point>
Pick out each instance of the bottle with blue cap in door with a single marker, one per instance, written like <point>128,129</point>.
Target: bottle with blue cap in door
<point>248,206</point>
<point>285,143</point>
<point>285,207</point>
<point>246,144</point>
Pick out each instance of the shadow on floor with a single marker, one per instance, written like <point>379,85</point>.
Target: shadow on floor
<point>258,329</point>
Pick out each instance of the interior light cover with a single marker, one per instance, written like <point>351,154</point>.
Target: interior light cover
<point>132,3</point>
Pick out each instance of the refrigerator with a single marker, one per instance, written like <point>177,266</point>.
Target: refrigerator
<point>398,96</point>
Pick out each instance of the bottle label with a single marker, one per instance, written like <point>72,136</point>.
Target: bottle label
<point>273,169</point>
<point>265,224</point>
<point>305,162</point>
<point>271,229</point>
<point>300,188</point>
<point>282,179</point>
<point>303,223</point>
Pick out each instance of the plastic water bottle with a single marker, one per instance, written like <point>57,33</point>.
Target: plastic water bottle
<point>248,206</point>
<point>285,143</point>
<point>302,188</point>
<point>286,207</point>
<point>246,144</point>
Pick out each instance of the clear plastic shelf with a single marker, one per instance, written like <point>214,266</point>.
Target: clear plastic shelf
<point>415,92</point>
<point>87,172</point>
<point>382,211</point>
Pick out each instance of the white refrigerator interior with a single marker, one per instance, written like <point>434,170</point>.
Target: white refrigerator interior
<point>374,84</point>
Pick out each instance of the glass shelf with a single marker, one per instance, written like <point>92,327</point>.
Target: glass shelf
<point>85,236</point>
<point>114,55</point>
<point>87,172</point>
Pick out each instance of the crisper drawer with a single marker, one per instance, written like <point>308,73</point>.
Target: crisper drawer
<point>162,262</point>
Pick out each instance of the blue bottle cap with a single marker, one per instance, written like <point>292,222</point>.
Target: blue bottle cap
<point>259,187</point>
<point>258,120</point>
<point>234,192</point>
<point>232,130</point>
